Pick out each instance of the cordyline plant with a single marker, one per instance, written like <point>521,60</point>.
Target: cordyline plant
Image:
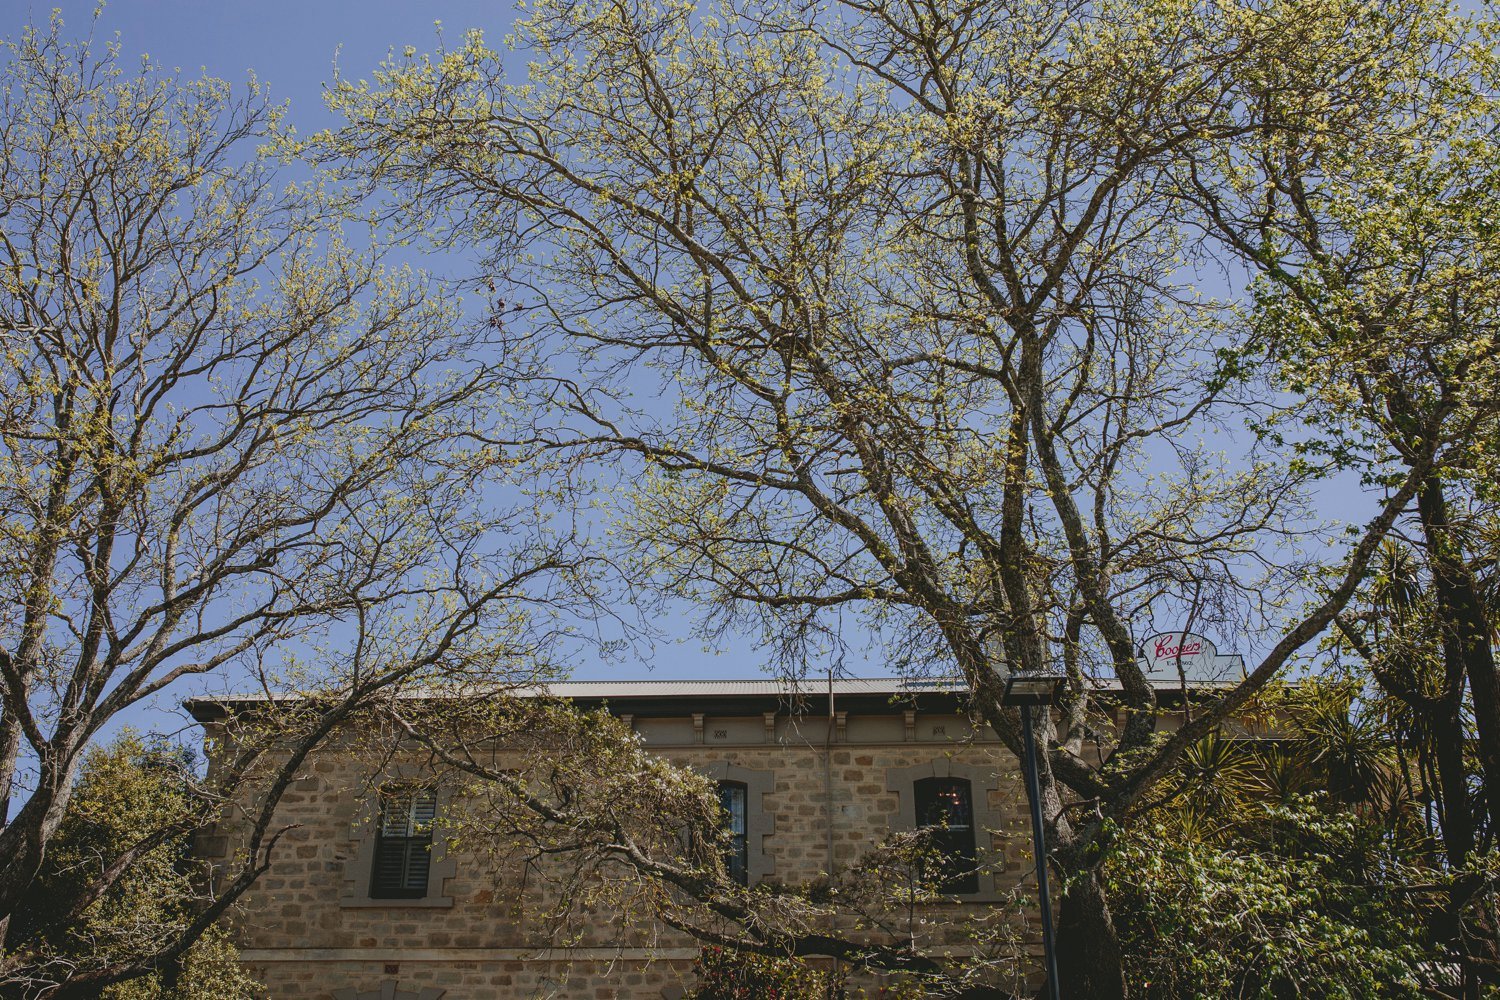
<point>898,307</point>
<point>1308,865</point>
<point>232,448</point>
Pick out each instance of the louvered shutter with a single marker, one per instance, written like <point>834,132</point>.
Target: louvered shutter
<point>403,844</point>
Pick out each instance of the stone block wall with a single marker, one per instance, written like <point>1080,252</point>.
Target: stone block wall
<point>834,790</point>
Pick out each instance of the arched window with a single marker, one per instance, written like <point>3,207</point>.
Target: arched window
<point>733,799</point>
<point>742,794</point>
<point>946,807</point>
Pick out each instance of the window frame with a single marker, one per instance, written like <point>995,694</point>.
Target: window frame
<point>737,856</point>
<point>957,846</point>
<point>410,798</point>
<point>760,823</point>
<point>364,837</point>
<point>984,783</point>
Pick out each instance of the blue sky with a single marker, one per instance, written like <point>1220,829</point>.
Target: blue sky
<point>291,46</point>
<point>294,48</point>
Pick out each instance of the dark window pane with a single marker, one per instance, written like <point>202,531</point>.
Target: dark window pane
<point>732,803</point>
<point>403,844</point>
<point>945,806</point>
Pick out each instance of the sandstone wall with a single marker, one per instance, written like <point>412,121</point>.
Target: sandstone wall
<point>836,791</point>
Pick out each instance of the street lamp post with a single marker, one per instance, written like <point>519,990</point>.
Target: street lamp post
<point>1027,691</point>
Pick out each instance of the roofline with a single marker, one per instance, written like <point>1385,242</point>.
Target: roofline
<point>711,697</point>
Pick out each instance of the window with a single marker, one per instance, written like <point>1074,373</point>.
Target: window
<point>742,801</point>
<point>945,806</point>
<point>733,799</point>
<point>403,844</point>
<point>394,857</point>
<point>961,803</point>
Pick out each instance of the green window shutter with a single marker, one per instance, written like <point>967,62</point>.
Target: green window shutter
<point>403,844</point>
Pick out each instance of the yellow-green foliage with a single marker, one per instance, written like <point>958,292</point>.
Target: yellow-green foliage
<point>230,439</point>
<point>211,970</point>
<point>126,789</point>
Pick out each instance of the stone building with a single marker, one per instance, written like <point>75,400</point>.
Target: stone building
<point>358,906</point>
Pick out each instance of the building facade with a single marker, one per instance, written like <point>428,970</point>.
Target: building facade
<point>361,902</point>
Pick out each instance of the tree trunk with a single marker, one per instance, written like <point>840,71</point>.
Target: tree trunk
<point>25,839</point>
<point>1456,819</point>
<point>1089,963</point>
<point>1465,627</point>
<point>1484,685</point>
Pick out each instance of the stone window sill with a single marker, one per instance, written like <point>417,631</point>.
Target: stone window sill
<point>440,903</point>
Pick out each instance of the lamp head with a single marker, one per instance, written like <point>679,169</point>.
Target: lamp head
<point>1032,689</point>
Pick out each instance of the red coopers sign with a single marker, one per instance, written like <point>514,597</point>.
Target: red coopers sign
<point>1177,657</point>
<point>1173,645</point>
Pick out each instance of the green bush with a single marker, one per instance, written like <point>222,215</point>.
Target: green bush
<point>725,974</point>
<point>124,788</point>
<point>1323,916</point>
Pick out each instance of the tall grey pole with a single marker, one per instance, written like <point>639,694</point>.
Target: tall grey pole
<point>1039,839</point>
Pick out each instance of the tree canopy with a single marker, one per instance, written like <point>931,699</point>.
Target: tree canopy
<point>236,446</point>
<point>942,324</point>
<point>1010,332</point>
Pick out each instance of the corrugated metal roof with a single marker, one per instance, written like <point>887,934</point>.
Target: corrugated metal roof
<point>591,690</point>
<point>721,688</point>
<point>649,689</point>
